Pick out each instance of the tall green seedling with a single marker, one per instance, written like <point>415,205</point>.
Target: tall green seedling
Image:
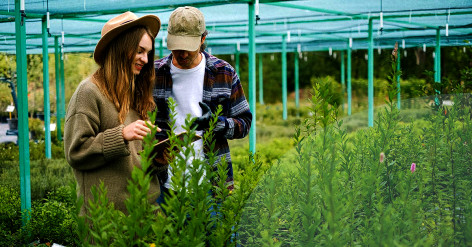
<point>111,227</point>
<point>185,219</point>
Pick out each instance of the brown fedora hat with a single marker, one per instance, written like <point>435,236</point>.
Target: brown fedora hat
<point>121,23</point>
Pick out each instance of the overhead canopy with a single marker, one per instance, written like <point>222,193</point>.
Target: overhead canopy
<point>307,25</point>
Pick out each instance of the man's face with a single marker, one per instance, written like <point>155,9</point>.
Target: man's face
<point>187,59</point>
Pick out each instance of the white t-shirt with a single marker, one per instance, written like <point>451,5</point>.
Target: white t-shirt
<point>187,90</point>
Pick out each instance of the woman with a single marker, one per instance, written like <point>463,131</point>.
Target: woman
<point>105,121</point>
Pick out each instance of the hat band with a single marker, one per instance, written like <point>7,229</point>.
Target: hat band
<point>126,22</point>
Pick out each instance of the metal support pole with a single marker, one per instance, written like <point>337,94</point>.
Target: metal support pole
<point>63,100</point>
<point>252,75</point>
<point>343,79</point>
<point>297,93</point>
<point>161,49</point>
<point>349,98</point>
<point>57,64</point>
<point>23,131</point>
<point>437,57</point>
<point>437,65</point>
<point>399,98</point>
<point>261,81</point>
<point>370,75</point>
<point>236,57</point>
<point>284,76</point>
<point>46,108</point>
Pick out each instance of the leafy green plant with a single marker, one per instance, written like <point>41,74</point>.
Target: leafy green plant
<point>50,219</point>
<point>199,210</point>
<point>332,88</point>
<point>10,151</point>
<point>46,176</point>
<point>10,215</point>
<point>108,226</point>
<point>398,183</point>
<point>341,185</point>
<point>36,128</point>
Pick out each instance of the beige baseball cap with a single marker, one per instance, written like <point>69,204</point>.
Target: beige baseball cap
<point>185,29</point>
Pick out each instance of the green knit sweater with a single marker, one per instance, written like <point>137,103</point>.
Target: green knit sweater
<point>95,148</point>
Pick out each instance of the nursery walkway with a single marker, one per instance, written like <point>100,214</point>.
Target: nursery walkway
<point>3,134</point>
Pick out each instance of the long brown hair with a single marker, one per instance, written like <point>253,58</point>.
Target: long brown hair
<point>115,77</point>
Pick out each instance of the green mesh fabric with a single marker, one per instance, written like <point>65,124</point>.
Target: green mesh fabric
<point>306,25</point>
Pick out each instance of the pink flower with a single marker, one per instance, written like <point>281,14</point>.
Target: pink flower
<point>382,157</point>
<point>413,167</point>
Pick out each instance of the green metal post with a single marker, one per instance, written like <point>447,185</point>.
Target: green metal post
<point>23,131</point>
<point>46,108</point>
<point>370,75</point>
<point>261,81</point>
<point>236,57</point>
<point>284,76</point>
<point>63,101</point>
<point>252,75</point>
<point>297,93</point>
<point>161,48</point>
<point>399,98</point>
<point>437,65</point>
<point>58,87</point>
<point>437,54</point>
<point>343,79</point>
<point>349,99</point>
<point>437,57</point>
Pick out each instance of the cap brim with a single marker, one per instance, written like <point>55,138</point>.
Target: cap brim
<point>150,21</point>
<point>186,43</point>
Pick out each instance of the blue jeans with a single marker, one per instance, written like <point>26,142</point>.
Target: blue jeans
<point>164,193</point>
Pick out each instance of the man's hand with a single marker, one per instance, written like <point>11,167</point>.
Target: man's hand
<point>203,122</point>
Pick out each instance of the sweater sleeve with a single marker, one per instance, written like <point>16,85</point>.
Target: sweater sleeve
<point>85,146</point>
<point>87,149</point>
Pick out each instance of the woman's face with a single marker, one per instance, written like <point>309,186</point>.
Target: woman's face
<point>141,58</point>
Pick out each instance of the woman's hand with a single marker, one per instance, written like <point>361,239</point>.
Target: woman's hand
<point>137,130</point>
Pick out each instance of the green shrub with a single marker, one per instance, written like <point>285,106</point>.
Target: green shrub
<point>46,176</point>
<point>188,208</point>
<point>10,213</point>
<point>6,238</point>
<point>334,95</point>
<point>10,151</point>
<point>37,150</point>
<point>36,128</point>
<point>52,220</point>
<point>328,188</point>
<point>63,194</point>
<point>360,189</point>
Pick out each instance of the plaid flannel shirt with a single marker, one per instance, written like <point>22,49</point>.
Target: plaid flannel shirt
<point>221,86</point>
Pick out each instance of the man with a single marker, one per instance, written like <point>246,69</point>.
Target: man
<point>199,83</point>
